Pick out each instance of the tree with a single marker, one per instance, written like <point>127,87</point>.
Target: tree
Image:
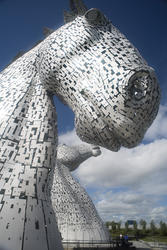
<point>135,225</point>
<point>113,225</point>
<point>135,229</point>
<point>143,224</point>
<point>163,228</point>
<point>126,226</point>
<point>108,223</point>
<point>119,225</point>
<point>152,227</point>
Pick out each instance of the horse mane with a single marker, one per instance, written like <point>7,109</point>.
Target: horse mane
<point>77,7</point>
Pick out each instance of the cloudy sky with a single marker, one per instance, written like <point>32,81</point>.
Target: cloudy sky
<point>129,184</point>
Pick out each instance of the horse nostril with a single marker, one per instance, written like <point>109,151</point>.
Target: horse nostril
<point>140,85</point>
<point>137,93</point>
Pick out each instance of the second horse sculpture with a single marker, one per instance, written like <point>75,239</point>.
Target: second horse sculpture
<point>78,220</point>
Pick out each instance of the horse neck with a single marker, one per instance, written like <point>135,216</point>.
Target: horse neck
<point>28,131</point>
<point>15,82</point>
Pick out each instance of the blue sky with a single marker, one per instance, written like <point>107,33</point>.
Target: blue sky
<point>145,25</point>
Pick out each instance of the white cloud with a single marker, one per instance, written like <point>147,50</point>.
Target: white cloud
<point>122,207</point>
<point>159,126</point>
<point>69,138</point>
<point>159,213</point>
<point>128,167</point>
<point>131,205</point>
<point>138,175</point>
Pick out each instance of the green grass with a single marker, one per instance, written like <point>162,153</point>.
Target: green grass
<point>155,238</point>
<point>159,239</point>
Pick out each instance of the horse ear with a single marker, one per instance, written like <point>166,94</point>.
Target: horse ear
<point>77,7</point>
<point>69,16</point>
<point>95,17</point>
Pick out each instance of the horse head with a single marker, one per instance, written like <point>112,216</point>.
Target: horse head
<point>73,156</point>
<point>97,72</point>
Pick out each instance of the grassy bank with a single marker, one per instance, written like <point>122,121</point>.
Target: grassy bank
<point>159,239</point>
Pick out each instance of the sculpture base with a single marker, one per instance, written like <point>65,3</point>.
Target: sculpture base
<point>86,246</point>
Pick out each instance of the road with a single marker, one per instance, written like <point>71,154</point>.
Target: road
<point>140,245</point>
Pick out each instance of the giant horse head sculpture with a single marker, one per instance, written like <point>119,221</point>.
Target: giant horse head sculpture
<point>95,70</point>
